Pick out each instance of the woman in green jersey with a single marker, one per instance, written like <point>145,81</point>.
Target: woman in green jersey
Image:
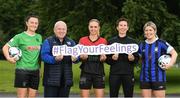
<point>27,67</point>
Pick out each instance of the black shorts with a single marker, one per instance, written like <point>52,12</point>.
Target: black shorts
<point>26,79</point>
<point>153,85</point>
<point>87,80</point>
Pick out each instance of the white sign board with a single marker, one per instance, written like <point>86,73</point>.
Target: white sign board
<point>94,50</point>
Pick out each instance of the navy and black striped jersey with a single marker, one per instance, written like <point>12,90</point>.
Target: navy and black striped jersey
<point>150,71</point>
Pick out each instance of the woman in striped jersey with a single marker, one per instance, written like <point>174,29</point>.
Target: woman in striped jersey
<point>152,77</point>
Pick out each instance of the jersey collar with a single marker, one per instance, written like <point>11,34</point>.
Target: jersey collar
<point>151,42</point>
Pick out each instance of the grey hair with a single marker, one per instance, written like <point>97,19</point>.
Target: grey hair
<point>151,24</point>
<point>59,22</point>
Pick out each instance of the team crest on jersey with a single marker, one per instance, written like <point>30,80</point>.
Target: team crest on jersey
<point>156,49</point>
<point>143,50</point>
<point>68,43</point>
<point>37,40</point>
<point>54,42</point>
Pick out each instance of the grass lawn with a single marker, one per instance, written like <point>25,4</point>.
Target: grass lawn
<point>7,79</point>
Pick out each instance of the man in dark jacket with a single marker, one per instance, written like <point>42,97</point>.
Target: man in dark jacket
<point>57,79</point>
<point>122,65</point>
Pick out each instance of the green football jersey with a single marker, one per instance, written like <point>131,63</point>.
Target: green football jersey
<point>30,47</point>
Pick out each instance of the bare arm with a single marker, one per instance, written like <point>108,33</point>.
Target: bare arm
<point>173,58</point>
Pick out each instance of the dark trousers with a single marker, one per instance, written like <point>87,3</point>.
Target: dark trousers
<point>127,82</point>
<point>56,91</point>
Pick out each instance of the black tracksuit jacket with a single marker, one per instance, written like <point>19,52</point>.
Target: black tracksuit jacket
<point>122,65</point>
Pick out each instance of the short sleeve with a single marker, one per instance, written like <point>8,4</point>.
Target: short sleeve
<point>14,42</point>
<point>168,47</point>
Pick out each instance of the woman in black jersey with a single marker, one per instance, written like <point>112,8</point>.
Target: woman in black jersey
<point>122,65</point>
<point>92,68</point>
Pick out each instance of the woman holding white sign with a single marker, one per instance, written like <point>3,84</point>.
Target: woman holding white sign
<point>153,77</point>
<point>122,65</point>
<point>92,68</point>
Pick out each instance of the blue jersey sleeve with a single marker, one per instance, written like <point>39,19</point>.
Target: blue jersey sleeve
<point>167,47</point>
<point>46,54</point>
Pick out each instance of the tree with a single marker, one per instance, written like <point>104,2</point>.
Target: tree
<point>173,6</point>
<point>77,13</point>
<point>12,14</point>
<point>12,17</point>
<point>141,11</point>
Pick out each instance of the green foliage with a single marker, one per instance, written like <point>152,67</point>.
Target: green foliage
<point>12,14</point>
<point>140,11</point>
<point>77,13</point>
